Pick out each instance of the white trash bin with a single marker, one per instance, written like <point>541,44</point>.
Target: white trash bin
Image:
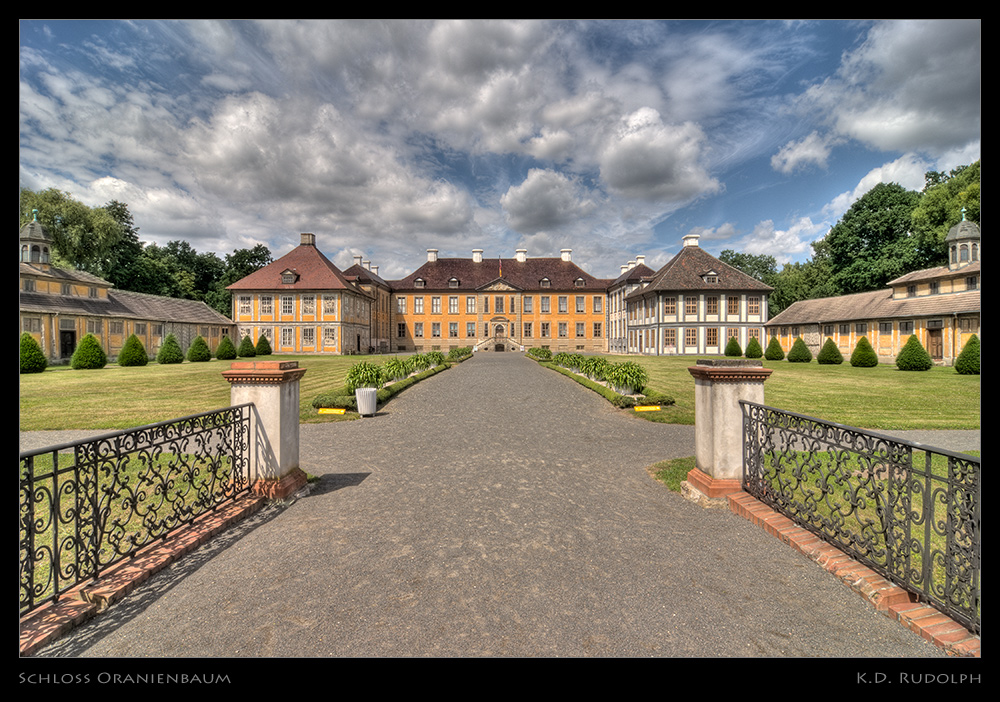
<point>367,401</point>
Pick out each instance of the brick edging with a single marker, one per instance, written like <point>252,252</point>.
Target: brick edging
<point>887,598</point>
<point>53,620</point>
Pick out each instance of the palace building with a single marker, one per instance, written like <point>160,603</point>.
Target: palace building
<point>940,305</point>
<point>303,303</point>
<point>59,306</point>
<point>694,305</point>
<point>500,304</point>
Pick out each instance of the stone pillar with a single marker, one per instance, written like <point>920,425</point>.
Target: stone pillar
<point>720,384</point>
<point>273,388</point>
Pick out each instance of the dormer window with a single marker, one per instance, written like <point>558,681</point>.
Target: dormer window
<point>418,283</point>
<point>545,283</point>
<point>453,282</point>
<point>288,277</point>
<point>579,283</point>
<point>711,277</point>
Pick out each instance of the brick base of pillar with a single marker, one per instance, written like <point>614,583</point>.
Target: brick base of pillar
<point>702,488</point>
<point>283,488</point>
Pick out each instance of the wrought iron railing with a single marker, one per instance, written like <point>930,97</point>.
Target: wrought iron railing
<point>86,506</point>
<point>908,511</point>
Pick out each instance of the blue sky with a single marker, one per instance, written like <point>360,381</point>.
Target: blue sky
<point>386,138</point>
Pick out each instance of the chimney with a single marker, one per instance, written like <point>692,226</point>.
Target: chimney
<point>631,265</point>
<point>374,269</point>
<point>307,239</point>
<point>624,267</point>
<point>640,260</point>
<point>566,254</point>
<point>357,260</point>
<point>477,255</point>
<point>432,255</point>
<point>691,239</point>
<point>521,255</point>
<point>367,265</point>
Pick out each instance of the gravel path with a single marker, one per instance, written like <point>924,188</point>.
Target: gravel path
<point>496,509</point>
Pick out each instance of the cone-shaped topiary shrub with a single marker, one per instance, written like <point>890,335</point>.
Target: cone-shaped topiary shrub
<point>753,348</point>
<point>34,361</point>
<point>199,352</point>
<point>263,347</point>
<point>225,351</point>
<point>914,356</point>
<point>967,362</point>
<point>133,353</point>
<point>170,351</point>
<point>733,347</point>
<point>246,349</point>
<point>800,353</point>
<point>829,355</point>
<point>89,354</point>
<point>774,351</point>
<point>864,355</point>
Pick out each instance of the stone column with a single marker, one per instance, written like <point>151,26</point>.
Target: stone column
<point>720,384</point>
<point>273,388</point>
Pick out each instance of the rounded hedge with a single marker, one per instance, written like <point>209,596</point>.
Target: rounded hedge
<point>864,355</point>
<point>226,351</point>
<point>89,354</point>
<point>733,347</point>
<point>263,347</point>
<point>199,352</point>
<point>133,353</point>
<point>967,362</point>
<point>774,351</point>
<point>830,355</point>
<point>246,349</point>
<point>32,358</point>
<point>800,353</point>
<point>753,348</point>
<point>914,356</point>
<point>170,351</point>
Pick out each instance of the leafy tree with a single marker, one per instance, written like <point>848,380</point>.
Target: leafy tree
<point>829,354</point>
<point>941,206</point>
<point>170,351</point>
<point>199,352</point>
<point>89,354</point>
<point>872,244</point>
<point>133,353</point>
<point>762,267</point>
<point>774,351</point>
<point>733,347</point>
<point>226,351</point>
<point>967,362</point>
<point>32,358</point>
<point>800,353</point>
<point>913,356</point>
<point>83,237</point>
<point>753,348</point>
<point>864,355</point>
<point>800,281</point>
<point>246,349</point>
<point>263,347</point>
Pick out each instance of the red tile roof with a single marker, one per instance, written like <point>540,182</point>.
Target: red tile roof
<point>313,270</point>
<point>524,275</point>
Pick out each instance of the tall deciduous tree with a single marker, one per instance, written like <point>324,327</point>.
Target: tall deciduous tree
<point>872,243</point>
<point>946,198</point>
<point>83,237</point>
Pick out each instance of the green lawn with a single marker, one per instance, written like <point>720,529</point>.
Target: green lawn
<point>122,397</point>
<point>873,398</point>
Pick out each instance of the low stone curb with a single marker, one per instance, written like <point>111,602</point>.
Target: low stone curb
<point>887,598</point>
<point>49,622</point>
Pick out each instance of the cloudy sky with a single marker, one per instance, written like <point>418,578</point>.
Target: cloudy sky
<point>611,138</point>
